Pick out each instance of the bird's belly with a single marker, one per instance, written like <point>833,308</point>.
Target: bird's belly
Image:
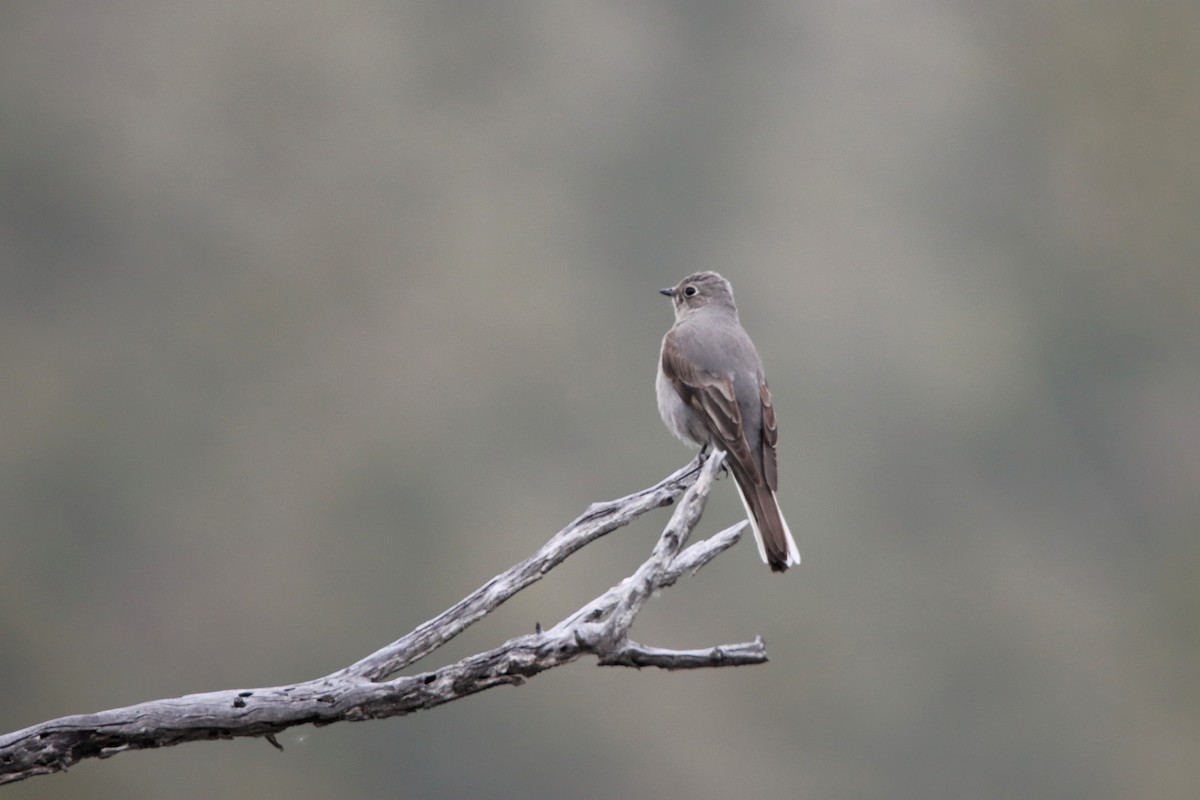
<point>679,419</point>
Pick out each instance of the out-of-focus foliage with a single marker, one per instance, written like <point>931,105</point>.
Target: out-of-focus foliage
<point>315,316</point>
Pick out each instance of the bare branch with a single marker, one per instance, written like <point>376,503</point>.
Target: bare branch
<point>361,691</point>
<point>598,520</point>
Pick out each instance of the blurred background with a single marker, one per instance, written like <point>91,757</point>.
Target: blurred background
<point>315,316</point>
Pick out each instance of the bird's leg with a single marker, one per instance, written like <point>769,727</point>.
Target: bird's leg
<point>724,473</point>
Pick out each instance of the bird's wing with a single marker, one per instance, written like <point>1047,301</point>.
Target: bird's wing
<point>714,400</point>
<point>770,436</point>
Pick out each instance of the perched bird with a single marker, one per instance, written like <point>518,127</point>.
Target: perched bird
<point>711,392</point>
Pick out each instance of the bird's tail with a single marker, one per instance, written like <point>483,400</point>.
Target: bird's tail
<point>771,533</point>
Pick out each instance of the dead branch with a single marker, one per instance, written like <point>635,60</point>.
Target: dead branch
<point>364,691</point>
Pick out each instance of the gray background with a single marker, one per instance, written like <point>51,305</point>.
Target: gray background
<point>314,316</point>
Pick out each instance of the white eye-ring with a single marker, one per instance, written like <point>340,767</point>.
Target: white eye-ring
<point>689,290</point>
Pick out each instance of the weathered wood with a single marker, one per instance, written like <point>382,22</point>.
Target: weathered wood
<point>361,691</point>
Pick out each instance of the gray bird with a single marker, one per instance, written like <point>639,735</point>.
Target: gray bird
<point>712,392</point>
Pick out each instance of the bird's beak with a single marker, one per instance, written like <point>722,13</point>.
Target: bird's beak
<point>668,292</point>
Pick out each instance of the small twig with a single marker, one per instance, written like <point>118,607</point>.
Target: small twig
<point>633,654</point>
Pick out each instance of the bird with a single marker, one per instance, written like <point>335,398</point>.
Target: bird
<point>712,393</point>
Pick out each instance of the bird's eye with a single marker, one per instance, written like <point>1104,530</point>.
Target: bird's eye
<point>689,290</point>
